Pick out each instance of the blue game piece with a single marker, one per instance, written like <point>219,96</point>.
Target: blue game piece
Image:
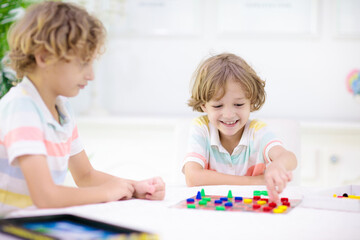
<point>238,199</point>
<point>224,199</point>
<point>228,204</point>
<point>198,196</point>
<point>218,201</point>
<point>190,200</point>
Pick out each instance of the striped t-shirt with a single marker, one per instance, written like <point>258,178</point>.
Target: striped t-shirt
<point>249,157</point>
<point>28,128</point>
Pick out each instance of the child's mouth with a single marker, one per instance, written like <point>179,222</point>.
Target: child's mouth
<point>229,123</point>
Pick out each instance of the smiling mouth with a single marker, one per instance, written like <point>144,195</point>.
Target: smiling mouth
<point>229,124</point>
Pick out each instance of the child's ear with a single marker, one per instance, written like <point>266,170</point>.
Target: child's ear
<point>203,108</point>
<point>40,58</point>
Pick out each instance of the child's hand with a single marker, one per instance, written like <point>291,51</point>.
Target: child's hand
<point>117,189</point>
<point>151,189</point>
<point>276,178</point>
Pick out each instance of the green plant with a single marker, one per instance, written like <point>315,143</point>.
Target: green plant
<point>9,11</point>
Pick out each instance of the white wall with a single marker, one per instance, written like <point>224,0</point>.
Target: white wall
<point>305,74</point>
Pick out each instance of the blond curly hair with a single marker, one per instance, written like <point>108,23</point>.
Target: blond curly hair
<point>64,30</point>
<point>210,79</point>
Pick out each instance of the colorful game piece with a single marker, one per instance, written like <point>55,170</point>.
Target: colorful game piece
<point>230,194</point>
<point>283,207</point>
<point>218,201</point>
<point>265,193</point>
<point>267,209</point>
<point>221,208</point>
<point>345,195</point>
<point>261,202</point>
<point>191,206</point>
<point>354,197</point>
<point>203,202</point>
<point>228,204</point>
<point>206,199</point>
<point>198,196</point>
<point>286,204</point>
<point>224,199</point>
<point>257,193</point>
<point>256,198</point>
<point>203,192</point>
<point>256,206</point>
<point>247,200</point>
<point>278,210</point>
<point>272,205</point>
<point>238,199</point>
<point>190,200</point>
<point>284,199</point>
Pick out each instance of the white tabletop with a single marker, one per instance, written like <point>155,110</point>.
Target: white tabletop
<point>173,223</point>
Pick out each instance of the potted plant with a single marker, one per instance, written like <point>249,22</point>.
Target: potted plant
<point>9,12</point>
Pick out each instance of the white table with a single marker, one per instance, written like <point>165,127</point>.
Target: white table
<point>172,223</point>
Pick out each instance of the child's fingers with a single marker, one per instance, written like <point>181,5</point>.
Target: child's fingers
<point>158,195</point>
<point>289,176</point>
<point>270,185</point>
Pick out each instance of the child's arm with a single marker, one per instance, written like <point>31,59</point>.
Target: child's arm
<point>196,175</point>
<point>278,173</point>
<point>85,175</point>
<point>46,194</point>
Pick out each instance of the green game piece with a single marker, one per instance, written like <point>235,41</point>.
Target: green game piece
<point>257,193</point>
<point>202,192</point>
<point>220,208</point>
<point>203,202</point>
<point>230,194</point>
<point>191,206</point>
<point>265,193</point>
<point>208,199</point>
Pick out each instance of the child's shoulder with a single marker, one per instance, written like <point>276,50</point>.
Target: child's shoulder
<point>201,121</point>
<point>17,99</point>
<point>256,125</point>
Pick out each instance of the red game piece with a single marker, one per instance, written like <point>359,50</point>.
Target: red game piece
<point>286,204</point>
<point>272,205</point>
<point>284,199</point>
<point>265,199</point>
<point>256,206</point>
<point>256,198</point>
<point>267,209</point>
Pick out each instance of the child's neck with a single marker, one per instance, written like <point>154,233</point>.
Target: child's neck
<point>230,142</point>
<point>46,95</point>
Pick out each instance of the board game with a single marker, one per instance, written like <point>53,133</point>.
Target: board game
<point>259,203</point>
<point>66,226</point>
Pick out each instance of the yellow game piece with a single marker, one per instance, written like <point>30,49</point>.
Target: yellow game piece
<point>278,210</point>
<point>261,202</point>
<point>334,196</point>
<point>283,207</point>
<point>247,200</point>
<point>354,197</point>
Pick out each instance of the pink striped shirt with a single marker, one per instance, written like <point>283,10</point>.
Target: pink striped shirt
<point>249,157</point>
<point>28,128</point>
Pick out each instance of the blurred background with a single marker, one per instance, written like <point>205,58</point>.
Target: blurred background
<point>304,49</point>
<point>135,113</point>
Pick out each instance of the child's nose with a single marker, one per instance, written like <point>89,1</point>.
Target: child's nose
<point>228,112</point>
<point>90,74</point>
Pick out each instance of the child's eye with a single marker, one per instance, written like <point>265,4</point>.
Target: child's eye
<point>217,106</point>
<point>239,105</point>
